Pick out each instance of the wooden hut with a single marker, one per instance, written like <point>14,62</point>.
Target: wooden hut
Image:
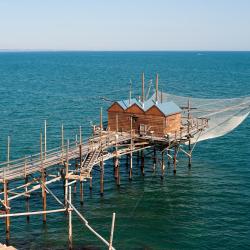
<point>147,117</point>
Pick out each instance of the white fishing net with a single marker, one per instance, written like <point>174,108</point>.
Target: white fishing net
<point>224,114</point>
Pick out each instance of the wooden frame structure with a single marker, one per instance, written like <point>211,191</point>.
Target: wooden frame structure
<point>77,160</point>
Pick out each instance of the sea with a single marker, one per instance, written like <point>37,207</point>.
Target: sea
<point>205,207</point>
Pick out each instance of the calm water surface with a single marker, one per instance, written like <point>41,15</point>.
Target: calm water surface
<point>205,208</point>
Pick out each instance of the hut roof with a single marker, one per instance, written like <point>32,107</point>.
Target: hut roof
<point>167,108</point>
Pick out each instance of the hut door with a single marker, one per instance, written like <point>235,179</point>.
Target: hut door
<point>143,129</point>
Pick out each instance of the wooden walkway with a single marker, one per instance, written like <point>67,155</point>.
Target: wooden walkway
<point>76,162</point>
<point>91,152</point>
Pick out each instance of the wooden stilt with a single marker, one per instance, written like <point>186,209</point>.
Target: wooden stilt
<point>154,159</point>
<point>101,177</point>
<point>8,151</point>
<point>162,164</point>
<point>188,129</point>
<point>90,181</point>
<point>118,180</point>
<point>45,139</point>
<point>112,232</point>
<point>43,178</point>
<point>137,158</point>
<point>27,198</point>
<point>127,161</point>
<point>7,210</point>
<point>62,142</point>
<point>175,155</point>
<point>76,167</point>
<point>70,221</point>
<point>169,159</point>
<point>142,162</point>
<point>81,192</point>
<point>116,167</point>
<point>131,148</point>
<point>66,176</point>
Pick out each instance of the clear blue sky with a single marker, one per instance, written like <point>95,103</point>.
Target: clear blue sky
<point>125,24</point>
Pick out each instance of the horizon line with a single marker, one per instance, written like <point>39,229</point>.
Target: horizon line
<point>81,50</point>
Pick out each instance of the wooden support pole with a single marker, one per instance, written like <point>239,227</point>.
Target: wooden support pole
<point>156,89</point>
<point>101,125</point>
<point>116,160</point>
<point>66,176</point>
<point>131,148</point>
<point>130,92</point>
<point>62,142</point>
<point>137,158</point>
<point>175,156</point>
<point>90,181</point>
<point>189,141</point>
<point>80,134</point>
<point>169,159</point>
<point>81,192</point>
<point>45,139</point>
<point>118,180</point>
<point>101,177</point>
<point>162,164</point>
<point>27,197</point>
<point>7,210</point>
<point>80,155</point>
<point>127,160</point>
<point>142,162</point>
<point>76,167</point>
<point>112,232</point>
<point>154,159</point>
<point>70,220</point>
<point>190,154</point>
<point>142,94</point>
<point>8,151</point>
<point>43,178</point>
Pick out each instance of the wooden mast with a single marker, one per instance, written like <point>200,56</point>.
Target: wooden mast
<point>156,89</point>
<point>43,178</point>
<point>142,94</point>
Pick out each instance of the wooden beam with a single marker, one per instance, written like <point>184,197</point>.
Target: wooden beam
<point>7,210</point>
<point>43,179</point>
<point>70,221</point>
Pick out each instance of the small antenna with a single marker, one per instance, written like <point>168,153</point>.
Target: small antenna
<point>130,92</point>
<point>156,89</point>
<point>142,95</point>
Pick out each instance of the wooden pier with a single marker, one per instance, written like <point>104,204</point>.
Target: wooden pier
<point>77,161</point>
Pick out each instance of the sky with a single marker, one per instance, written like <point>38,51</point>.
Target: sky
<point>125,25</point>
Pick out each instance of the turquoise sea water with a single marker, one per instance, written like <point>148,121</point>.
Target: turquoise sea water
<point>206,207</point>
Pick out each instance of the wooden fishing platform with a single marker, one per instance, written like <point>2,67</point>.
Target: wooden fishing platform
<point>124,135</point>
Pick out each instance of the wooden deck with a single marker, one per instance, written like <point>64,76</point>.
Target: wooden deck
<point>92,151</point>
